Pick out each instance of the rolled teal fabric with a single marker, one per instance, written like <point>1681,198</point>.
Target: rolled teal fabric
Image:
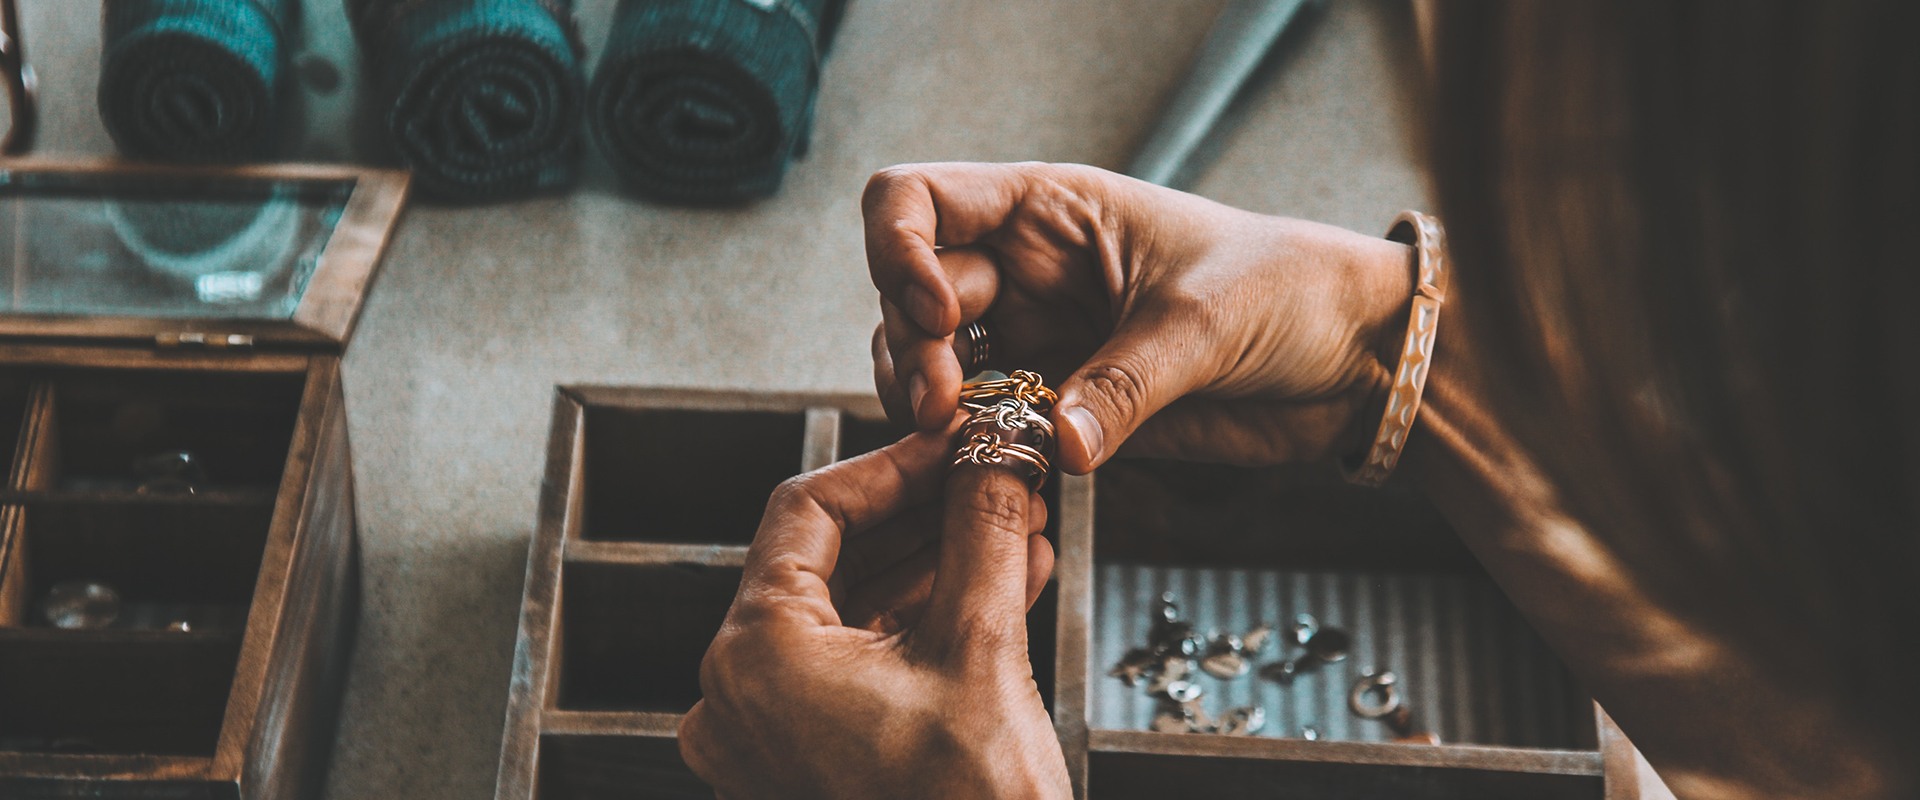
<point>481,98</point>
<point>193,80</point>
<point>706,101</point>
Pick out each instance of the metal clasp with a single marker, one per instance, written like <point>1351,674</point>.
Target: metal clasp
<point>203,341</point>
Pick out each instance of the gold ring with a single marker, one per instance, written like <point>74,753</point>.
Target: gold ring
<point>986,450</point>
<point>1024,385</point>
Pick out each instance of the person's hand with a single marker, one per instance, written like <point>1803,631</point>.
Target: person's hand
<point>878,644</point>
<point>1174,324</point>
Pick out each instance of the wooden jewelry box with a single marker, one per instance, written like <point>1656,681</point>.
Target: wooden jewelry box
<point>170,385</point>
<point>651,496</point>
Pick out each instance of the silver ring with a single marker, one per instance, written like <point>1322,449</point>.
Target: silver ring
<point>979,347</point>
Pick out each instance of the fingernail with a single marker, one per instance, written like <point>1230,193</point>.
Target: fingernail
<point>925,308</point>
<point>1091,437</point>
<point>916,391</point>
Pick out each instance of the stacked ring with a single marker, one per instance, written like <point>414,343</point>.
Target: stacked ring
<point>1022,385</point>
<point>1008,425</point>
<point>979,347</point>
<point>983,450</point>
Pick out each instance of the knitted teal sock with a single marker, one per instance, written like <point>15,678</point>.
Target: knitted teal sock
<point>706,101</point>
<point>481,97</point>
<point>194,80</point>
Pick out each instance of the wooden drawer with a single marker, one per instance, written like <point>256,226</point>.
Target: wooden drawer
<point>638,552</point>
<point>259,563</point>
<point>157,310</point>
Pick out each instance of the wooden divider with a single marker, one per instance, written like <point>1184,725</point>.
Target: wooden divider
<point>614,623</point>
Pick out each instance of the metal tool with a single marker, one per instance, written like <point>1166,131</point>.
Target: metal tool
<point>1234,47</point>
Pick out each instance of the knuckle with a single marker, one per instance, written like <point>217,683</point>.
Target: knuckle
<point>885,180</point>
<point>714,667</point>
<point>996,509</point>
<point>696,744</point>
<point>792,494</point>
<point>1119,385</point>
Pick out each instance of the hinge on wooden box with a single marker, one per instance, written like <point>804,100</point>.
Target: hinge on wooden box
<point>203,341</point>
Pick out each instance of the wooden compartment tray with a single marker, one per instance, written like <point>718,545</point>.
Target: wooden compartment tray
<point>638,552</point>
<point>259,562</point>
<point>153,310</point>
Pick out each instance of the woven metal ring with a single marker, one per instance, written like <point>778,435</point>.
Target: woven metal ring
<point>979,347</point>
<point>987,450</point>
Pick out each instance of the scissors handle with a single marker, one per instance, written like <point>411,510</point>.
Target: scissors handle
<point>20,83</point>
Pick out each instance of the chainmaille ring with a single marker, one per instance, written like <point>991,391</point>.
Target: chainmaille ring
<point>1022,385</point>
<point>979,347</point>
<point>1007,425</point>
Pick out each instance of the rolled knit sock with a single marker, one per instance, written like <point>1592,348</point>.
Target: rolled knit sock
<point>706,101</point>
<point>192,80</point>
<point>481,97</point>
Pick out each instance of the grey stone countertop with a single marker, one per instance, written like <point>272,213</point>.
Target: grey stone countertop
<point>479,312</point>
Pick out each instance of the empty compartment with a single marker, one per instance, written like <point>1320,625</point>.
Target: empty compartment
<point>632,635</point>
<point>1241,548</point>
<point>615,768</point>
<point>119,430</point>
<point>165,561</point>
<point>13,412</point>
<point>681,475</point>
<point>860,434</point>
<point>114,692</point>
<point>1125,776</point>
<point>1042,641</point>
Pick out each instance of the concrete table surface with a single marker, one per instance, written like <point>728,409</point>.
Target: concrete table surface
<point>480,311</point>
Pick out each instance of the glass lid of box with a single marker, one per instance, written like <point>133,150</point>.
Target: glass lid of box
<point>162,245</point>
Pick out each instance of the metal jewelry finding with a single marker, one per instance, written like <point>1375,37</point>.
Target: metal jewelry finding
<point>1226,656</point>
<point>1324,646</point>
<point>1390,708</point>
<point>171,472</point>
<point>1384,684</point>
<point>979,347</point>
<point>81,605</point>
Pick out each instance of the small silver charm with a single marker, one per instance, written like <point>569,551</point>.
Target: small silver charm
<point>1244,721</point>
<point>81,605</point>
<point>1324,646</point>
<point>171,472</point>
<point>1304,627</point>
<point>1224,658</point>
<point>1184,691</point>
<point>1171,721</point>
<point>1174,668</point>
<point>1134,666</point>
<point>1255,640</point>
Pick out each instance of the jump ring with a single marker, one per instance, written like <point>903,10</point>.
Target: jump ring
<point>1386,683</point>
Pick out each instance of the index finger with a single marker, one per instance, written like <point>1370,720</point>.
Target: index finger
<point>980,590</point>
<point>798,542</point>
<point>912,209</point>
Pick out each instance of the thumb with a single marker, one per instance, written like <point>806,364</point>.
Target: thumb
<point>1149,362</point>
